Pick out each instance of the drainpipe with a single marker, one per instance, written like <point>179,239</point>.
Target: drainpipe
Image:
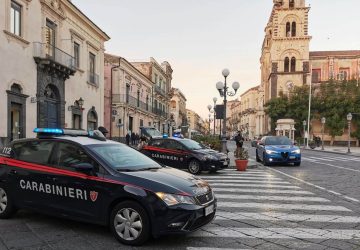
<point>111,94</point>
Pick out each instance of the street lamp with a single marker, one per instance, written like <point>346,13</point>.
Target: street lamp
<point>349,118</point>
<point>209,107</point>
<point>304,124</point>
<point>323,121</point>
<point>215,100</point>
<point>223,90</point>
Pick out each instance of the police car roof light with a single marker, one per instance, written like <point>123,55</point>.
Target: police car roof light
<point>53,131</point>
<point>165,136</point>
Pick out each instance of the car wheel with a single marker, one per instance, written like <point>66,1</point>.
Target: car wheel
<point>265,162</point>
<point>257,157</point>
<point>7,208</point>
<point>129,223</point>
<point>194,167</point>
<point>297,164</point>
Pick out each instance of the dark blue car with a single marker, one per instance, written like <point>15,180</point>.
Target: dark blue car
<point>277,150</point>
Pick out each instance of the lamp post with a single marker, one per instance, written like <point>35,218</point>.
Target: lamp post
<point>323,121</point>
<point>223,90</point>
<point>209,107</point>
<point>209,123</point>
<point>304,124</point>
<point>349,118</point>
<point>215,100</point>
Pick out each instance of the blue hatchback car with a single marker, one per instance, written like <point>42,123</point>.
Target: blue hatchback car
<point>277,150</point>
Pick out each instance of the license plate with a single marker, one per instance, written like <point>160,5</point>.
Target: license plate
<point>225,163</point>
<point>292,157</point>
<point>209,210</point>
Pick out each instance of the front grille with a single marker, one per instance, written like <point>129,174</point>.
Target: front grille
<point>205,198</point>
<point>200,222</point>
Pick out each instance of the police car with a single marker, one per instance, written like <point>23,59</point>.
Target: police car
<point>185,154</point>
<point>83,176</point>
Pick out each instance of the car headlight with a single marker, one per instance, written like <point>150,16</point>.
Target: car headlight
<point>270,152</point>
<point>174,199</point>
<point>208,157</point>
<point>297,151</point>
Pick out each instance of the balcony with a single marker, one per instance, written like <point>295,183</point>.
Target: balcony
<point>132,102</point>
<point>160,91</point>
<point>160,112</point>
<point>93,78</point>
<point>54,58</point>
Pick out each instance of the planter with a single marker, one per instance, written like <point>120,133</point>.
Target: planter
<point>241,165</point>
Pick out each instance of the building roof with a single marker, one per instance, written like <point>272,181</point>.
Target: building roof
<point>251,89</point>
<point>335,53</point>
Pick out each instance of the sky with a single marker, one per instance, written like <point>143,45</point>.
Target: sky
<point>199,38</point>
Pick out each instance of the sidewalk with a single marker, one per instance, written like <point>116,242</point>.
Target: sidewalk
<point>355,151</point>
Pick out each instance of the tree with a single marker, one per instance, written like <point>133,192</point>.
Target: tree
<point>277,108</point>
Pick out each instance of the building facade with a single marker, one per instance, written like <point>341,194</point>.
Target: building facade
<point>286,61</point>
<point>178,109</point>
<point>248,115</point>
<point>129,98</point>
<point>51,68</point>
<point>161,76</point>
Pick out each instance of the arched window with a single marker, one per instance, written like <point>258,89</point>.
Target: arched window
<point>291,3</point>
<point>293,29</point>
<point>288,28</point>
<point>286,64</point>
<point>92,119</point>
<point>293,64</point>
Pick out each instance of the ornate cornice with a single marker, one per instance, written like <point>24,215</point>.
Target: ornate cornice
<point>55,7</point>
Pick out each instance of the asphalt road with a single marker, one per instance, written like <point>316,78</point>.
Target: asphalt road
<point>314,206</point>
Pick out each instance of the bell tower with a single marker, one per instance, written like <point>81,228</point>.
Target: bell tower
<point>285,52</point>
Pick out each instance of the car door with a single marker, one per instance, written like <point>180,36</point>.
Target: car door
<point>157,151</point>
<point>261,149</point>
<point>30,173</point>
<point>79,194</point>
<point>176,154</point>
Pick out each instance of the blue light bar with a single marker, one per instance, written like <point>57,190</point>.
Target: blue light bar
<point>165,136</point>
<point>53,131</point>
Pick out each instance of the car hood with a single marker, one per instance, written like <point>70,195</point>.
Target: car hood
<point>168,180</point>
<point>281,147</point>
<point>207,151</point>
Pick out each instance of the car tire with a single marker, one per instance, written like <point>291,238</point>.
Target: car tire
<point>265,162</point>
<point>257,157</point>
<point>194,167</point>
<point>130,223</point>
<point>297,164</point>
<point>7,208</point>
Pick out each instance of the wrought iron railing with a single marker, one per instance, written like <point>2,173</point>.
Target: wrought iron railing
<point>48,51</point>
<point>160,90</point>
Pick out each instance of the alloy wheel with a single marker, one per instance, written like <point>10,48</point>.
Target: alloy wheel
<point>194,167</point>
<point>128,224</point>
<point>3,200</point>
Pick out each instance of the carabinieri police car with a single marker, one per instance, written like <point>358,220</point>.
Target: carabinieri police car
<point>185,154</point>
<point>82,176</point>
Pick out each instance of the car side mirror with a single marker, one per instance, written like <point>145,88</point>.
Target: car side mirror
<point>84,167</point>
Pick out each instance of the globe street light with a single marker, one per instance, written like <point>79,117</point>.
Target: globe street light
<point>323,121</point>
<point>223,90</point>
<point>304,124</point>
<point>349,118</point>
<point>209,107</point>
<point>214,100</point>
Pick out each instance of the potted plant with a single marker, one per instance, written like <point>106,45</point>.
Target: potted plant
<point>241,158</point>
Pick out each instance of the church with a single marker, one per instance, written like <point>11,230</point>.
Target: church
<point>286,60</point>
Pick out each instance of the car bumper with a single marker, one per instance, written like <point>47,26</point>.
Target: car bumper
<point>215,165</point>
<point>278,158</point>
<point>183,219</point>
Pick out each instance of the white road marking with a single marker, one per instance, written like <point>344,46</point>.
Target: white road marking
<point>249,181</point>
<point>313,185</point>
<point>212,248</point>
<point>252,185</point>
<point>275,216</point>
<point>308,159</point>
<point>241,178</point>
<point>271,198</point>
<point>254,190</point>
<point>222,204</point>
<point>278,233</point>
<point>320,159</point>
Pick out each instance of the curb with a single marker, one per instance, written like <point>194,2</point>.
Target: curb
<point>331,152</point>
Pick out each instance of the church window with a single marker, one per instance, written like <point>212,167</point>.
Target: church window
<point>288,32</point>
<point>292,4</point>
<point>316,75</point>
<point>293,64</point>
<point>286,64</point>
<point>293,29</point>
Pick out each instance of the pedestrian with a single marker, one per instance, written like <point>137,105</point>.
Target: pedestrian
<point>142,142</point>
<point>239,140</point>
<point>137,138</point>
<point>133,138</point>
<point>127,137</point>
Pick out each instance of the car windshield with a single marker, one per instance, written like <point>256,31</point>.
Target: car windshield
<point>123,158</point>
<point>192,145</point>
<point>153,132</point>
<point>278,141</point>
